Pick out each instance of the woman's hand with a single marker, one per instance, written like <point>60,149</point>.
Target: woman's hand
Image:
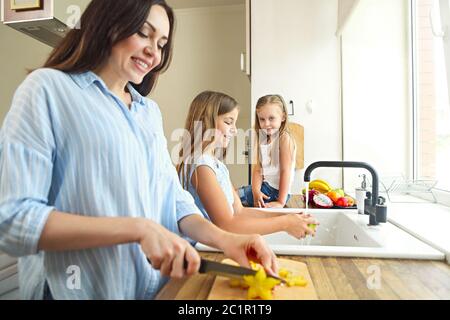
<point>275,204</point>
<point>167,251</point>
<point>243,248</point>
<point>297,225</point>
<point>258,199</point>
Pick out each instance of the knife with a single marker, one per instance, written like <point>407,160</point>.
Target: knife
<point>227,270</point>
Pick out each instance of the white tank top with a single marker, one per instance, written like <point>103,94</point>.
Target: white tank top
<point>271,167</point>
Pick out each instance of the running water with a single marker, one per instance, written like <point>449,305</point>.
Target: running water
<point>306,240</point>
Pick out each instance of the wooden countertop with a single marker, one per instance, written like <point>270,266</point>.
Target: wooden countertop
<point>343,278</point>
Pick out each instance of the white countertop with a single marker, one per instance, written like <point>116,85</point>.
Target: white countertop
<point>427,221</point>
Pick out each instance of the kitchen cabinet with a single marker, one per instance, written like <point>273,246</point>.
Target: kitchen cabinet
<point>49,23</point>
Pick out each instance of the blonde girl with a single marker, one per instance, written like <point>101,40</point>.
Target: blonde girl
<point>206,177</point>
<point>273,173</point>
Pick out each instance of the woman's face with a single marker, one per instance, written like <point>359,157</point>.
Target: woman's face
<point>133,58</point>
<point>226,128</point>
<point>270,117</point>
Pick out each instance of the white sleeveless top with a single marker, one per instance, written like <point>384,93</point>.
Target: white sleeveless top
<point>270,163</point>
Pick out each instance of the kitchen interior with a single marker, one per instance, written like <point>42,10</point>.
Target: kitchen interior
<point>368,81</point>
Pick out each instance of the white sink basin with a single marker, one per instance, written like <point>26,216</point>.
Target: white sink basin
<point>345,233</point>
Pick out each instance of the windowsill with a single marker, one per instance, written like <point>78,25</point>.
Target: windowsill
<point>427,221</point>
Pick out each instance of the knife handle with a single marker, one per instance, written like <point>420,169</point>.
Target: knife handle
<point>185,266</point>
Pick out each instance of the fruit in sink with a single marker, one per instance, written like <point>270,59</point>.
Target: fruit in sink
<point>322,201</point>
<point>342,202</point>
<point>320,185</point>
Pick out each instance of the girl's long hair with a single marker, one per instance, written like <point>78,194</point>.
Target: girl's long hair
<point>284,129</point>
<point>103,24</point>
<point>203,114</point>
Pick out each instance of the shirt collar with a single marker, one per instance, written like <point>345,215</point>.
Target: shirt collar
<point>85,79</point>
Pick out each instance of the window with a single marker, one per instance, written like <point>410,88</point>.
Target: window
<point>431,83</point>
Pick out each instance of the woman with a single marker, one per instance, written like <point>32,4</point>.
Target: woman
<point>87,189</point>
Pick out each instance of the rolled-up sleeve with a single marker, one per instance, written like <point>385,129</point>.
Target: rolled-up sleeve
<point>26,163</point>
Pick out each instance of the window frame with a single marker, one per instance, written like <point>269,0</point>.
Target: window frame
<point>442,196</point>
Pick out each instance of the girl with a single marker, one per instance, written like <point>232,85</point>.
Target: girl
<point>214,115</point>
<point>273,173</point>
<point>88,190</point>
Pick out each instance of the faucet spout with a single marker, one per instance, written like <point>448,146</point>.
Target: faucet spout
<point>374,210</point>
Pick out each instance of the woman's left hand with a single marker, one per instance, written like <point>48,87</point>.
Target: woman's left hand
<point>243,248</point>
<point>274,204</point>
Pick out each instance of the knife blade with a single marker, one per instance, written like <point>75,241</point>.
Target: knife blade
<point>229,271</point>
<point>226,270</point>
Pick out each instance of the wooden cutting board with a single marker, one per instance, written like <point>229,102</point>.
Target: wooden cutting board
<point>221,289</point>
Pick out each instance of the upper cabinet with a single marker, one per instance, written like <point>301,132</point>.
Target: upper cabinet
<point>47,21</point>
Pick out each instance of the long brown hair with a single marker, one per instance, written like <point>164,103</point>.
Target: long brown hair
<point>103,24</point>
<point>284,128</point>
<point>204,110</point>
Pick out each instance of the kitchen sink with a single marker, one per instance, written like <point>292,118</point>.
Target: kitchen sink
<point>345,233</point>
<point>336,229</point>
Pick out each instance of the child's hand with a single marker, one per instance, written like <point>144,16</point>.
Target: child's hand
<point>258,198</point>
<point>298,225</point>
<point>274,204</point>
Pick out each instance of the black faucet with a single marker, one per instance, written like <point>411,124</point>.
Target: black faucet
<point>376,209</point>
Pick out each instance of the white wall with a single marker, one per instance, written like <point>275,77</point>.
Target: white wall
<point>295,53</point>
<point>376,89</point>
<point>208,43</point>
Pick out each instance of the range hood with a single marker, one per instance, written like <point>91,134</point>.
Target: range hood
<point>37,19</point>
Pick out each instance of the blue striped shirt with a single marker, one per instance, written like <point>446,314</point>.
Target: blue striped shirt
<point>69,144</point>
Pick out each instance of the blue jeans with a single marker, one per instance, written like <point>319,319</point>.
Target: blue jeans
<point>246,194</point>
